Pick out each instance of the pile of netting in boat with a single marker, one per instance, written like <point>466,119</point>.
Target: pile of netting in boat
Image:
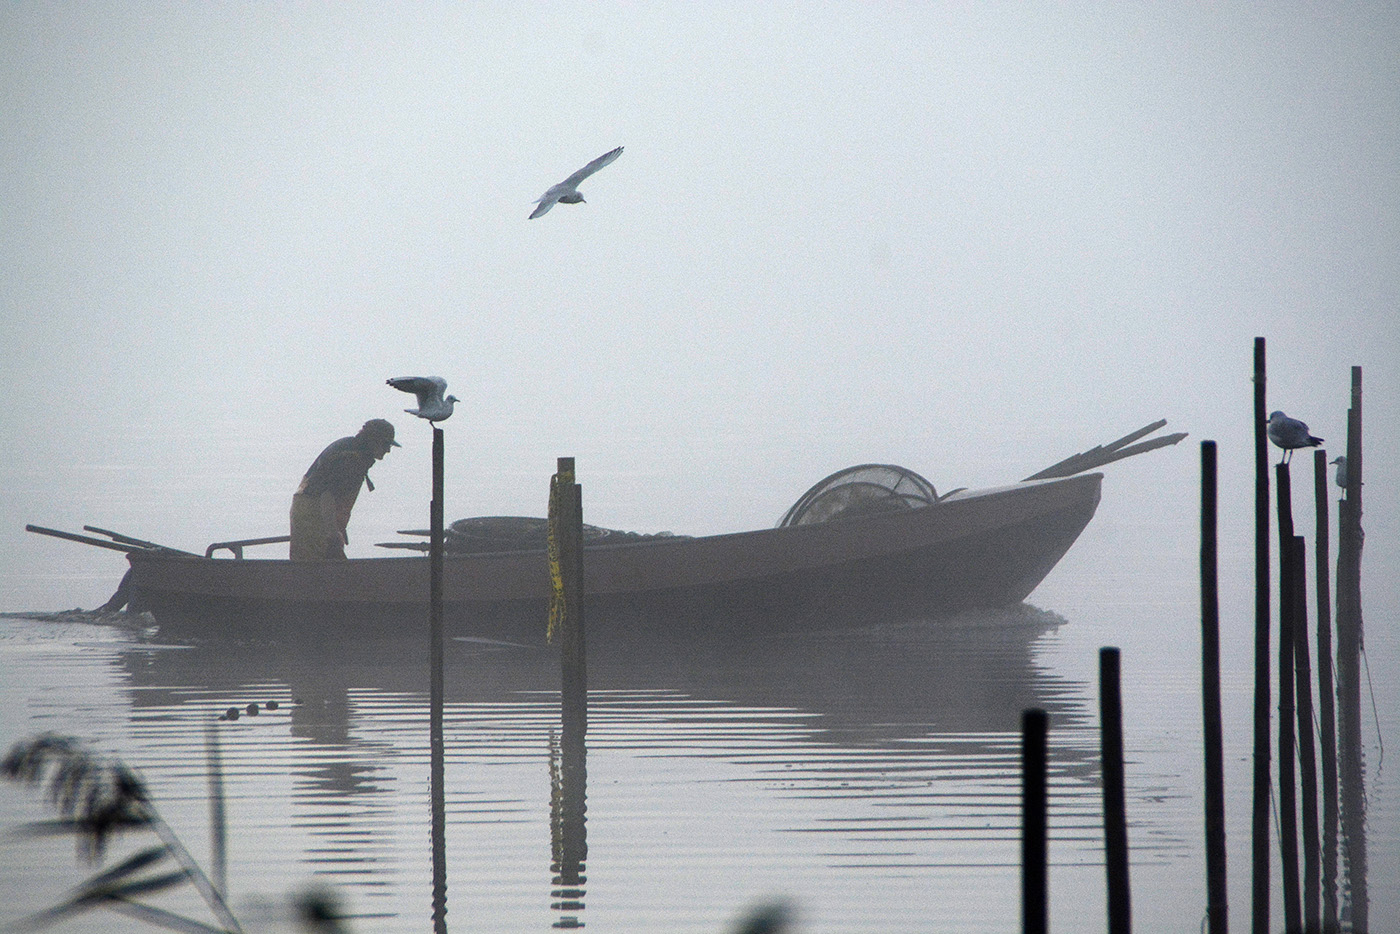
<point>855,491</point>
<point>486,534</point>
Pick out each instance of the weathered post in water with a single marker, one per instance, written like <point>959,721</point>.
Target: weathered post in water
<point>1217,894</point>
<point>566,622</point>
<point>1350,639</point>
<point>1307,759</point>
<point>1326,708</point>
<point>1115,815</point>
<point>566,615</point>
<point>1260,825</point>
<point>437,770</point>
<point>1287,723</point>
<point>1035,864</point>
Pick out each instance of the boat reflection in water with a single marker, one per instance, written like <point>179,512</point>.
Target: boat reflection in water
<point>900,739</point>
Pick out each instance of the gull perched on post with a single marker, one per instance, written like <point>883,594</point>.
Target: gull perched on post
<point>429,390</point>
<point>566,192</point>
<point>1341,463</point>
<point>1290,434</point>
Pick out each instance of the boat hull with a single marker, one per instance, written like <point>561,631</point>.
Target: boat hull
<point>974,549</point>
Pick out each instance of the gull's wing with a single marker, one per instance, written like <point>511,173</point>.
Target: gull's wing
<point>426,388</point>
<point>546,201</point>
<point>573,180</point>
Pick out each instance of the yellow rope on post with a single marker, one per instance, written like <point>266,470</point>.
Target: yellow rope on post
<point>560,482</point>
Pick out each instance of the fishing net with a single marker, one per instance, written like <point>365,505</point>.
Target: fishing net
<point>861,490</point>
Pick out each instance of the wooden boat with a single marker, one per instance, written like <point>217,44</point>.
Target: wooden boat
<point>902,553</point>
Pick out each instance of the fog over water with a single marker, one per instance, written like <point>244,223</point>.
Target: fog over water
<point>970,241</point>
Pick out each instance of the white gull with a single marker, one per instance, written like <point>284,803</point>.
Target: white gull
<point>429,390</point>
<point>566,192</point>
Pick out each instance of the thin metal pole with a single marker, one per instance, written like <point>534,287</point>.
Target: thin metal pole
<point>1115,816</point>
<point>1262,752</point>
<point>1035,900</point>
<point>435,636</point>
<point>1217,893</point>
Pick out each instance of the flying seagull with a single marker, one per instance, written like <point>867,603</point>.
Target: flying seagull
<point>1341,463</point>
<point>567,190</point>
<point>429,390</point>
<point>1290,434</point>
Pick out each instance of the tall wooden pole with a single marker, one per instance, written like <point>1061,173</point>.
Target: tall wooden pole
<point>1035,863</point>
<point>1260,825</point>
<point>1326,707</point>
<point>1217,894</point>
<point>1287,724</point>
<point>437,752</point>
<point>566,548</point>
<point>1307,760</point>
<point>1350,639</point>
<point>1115,815</point>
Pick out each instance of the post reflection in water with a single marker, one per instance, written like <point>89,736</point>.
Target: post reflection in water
<point>568,773</point>
<point>888,752</point>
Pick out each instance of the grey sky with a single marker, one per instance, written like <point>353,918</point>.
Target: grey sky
<point>970,240</point>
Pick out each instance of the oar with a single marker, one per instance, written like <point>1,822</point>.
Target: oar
<point>72,537</point>
<point>128,540</point>
<point>1106,454</point>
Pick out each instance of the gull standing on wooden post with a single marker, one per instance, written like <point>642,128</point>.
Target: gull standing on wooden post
<point>1341,463</point>
<point>566,192</point>
<point>434,408</point>
<point>1290,434</point>
<point>429,390</point>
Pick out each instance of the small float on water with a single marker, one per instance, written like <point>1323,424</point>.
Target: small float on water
<point>871,543</point>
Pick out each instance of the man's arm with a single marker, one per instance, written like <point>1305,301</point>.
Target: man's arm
<point>330,516</point>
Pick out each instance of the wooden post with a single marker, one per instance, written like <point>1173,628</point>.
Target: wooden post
<point>218,817</point>
<point>1217,894</point>
<point>1350,638</point>
<point>1326,708</point>
<point>1287,778</point>
<point>1035,901</point>
<point>572,642</point>
<point>566,553</point>
<point>1262,622</point>
<point>1307,760</point>
<point>1115,816</point>
<point>437,772</point>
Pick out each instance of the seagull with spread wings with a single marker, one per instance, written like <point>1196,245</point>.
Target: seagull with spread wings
<point>429,390</point>
<point>566,192</point>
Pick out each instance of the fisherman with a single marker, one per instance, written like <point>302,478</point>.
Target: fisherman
<point>322,503</point>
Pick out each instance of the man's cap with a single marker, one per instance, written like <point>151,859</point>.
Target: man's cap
<point>379,429</point>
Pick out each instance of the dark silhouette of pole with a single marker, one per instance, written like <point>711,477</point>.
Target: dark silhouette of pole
<point>567,620</point>
<point>1262,622</point>
<point>1307,759</point>
<point>1326,707</point>
<point>1035,865</point>
<point>1350,639</point>
<point>567,528</point>
<point>1115,814</point>
<point>1217,894</point>
<point>1287,741</point>
<point>435,637</point>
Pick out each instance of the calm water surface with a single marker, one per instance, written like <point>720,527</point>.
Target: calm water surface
<point>870,778</point>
